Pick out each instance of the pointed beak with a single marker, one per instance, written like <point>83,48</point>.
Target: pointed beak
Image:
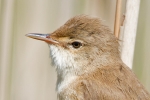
<point>43,37</point>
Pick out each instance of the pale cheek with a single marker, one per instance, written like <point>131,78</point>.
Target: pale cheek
<point>61,57</point>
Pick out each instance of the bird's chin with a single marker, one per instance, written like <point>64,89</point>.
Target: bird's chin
<point>66,62</point>
<point>61,57</point>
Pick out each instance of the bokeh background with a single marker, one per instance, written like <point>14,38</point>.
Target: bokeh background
<point>25,66</point>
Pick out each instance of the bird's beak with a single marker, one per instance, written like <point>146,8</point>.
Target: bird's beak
<point>43,37</point>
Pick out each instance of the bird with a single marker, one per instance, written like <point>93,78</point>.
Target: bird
<point>86,55</point>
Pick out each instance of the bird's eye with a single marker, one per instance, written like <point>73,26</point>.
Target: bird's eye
<point>76,44</point>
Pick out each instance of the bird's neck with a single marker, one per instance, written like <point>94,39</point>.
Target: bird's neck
<point>64,80</point>
<point>66,77</point>
<point>67,74</point>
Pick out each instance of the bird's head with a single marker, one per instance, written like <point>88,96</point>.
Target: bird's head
<point>83,43</point>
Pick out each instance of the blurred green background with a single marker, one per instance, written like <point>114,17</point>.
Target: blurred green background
<point>25,66</point>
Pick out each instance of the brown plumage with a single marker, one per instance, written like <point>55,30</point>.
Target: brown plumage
<point>88,63</point>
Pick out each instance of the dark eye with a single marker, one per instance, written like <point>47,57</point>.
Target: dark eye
<point>76,44</point>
